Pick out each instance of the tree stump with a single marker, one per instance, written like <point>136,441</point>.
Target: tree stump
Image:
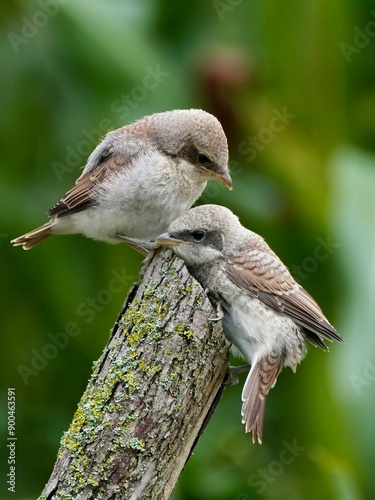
<point>150,395</point>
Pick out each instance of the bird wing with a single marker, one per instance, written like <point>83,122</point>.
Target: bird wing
<point>80,196</point>
<point>264,276</point>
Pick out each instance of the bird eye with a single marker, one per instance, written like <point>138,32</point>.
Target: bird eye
<point>203,159</point>
<point>198,235</point>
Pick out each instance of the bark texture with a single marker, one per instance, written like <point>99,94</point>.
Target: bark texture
<point>150,395</point>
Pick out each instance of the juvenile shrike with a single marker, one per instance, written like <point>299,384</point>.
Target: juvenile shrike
<point>266,314</point>
<point>140,178</point>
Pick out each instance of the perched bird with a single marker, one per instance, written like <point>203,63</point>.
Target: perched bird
<point>140,178</point>
<point>266,314</point>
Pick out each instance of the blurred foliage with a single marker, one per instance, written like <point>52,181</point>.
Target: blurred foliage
<point>70,71</point>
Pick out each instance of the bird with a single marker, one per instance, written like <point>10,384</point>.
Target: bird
<point>139,179</point>
<point>266,315</point>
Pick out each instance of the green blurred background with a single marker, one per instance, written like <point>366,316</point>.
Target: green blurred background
<point>293,84</point>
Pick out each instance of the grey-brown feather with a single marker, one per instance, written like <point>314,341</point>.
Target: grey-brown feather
<point>261,378</point>
<point>82,194</point>
<point>265,276</point>
<point>267,315</point>
<point>140,178</point>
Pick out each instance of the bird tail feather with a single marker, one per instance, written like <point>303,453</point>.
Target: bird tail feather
<point>29,240</point>
<point>260,380</point>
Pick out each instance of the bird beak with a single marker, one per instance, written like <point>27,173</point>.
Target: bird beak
<point>167,240</point>
<point>224,179</point>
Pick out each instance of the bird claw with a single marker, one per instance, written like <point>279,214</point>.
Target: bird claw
<point>219,311</point>
<point>232,374</point>
<point>147,261</point>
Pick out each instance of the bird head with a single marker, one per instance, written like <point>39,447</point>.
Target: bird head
<point>204,234</point>
<point>195,136</point>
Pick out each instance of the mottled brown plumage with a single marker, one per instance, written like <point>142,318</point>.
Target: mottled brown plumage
<point>262,274</point>
<point>267,315</point>
<point>140,178</point>
<point>82,193</point>
<point>258,385</point>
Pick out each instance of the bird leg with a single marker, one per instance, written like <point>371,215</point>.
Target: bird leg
<point>147,248</point>
<point>219,312</point>
<point>232,374</point>
<point>232,370</point>
<point>143,247</point>
<point>147,261</point>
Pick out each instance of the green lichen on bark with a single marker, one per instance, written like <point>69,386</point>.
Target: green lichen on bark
<point>148,395</point>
